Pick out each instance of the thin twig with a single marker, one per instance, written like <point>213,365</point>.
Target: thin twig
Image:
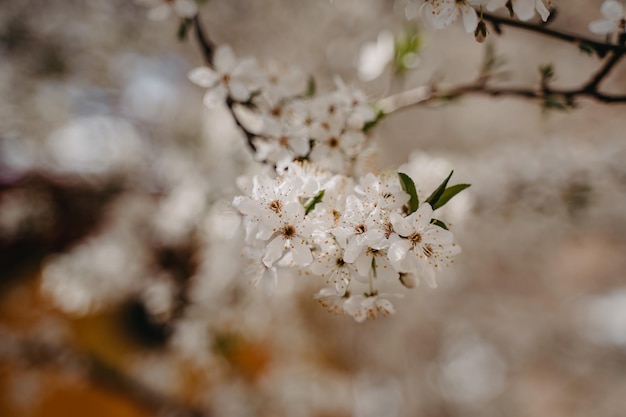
<point>208,50</point>
<point>208,47</point>
<point>594,82</point>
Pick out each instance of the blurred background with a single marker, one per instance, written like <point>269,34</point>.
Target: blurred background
<point>122,290</point>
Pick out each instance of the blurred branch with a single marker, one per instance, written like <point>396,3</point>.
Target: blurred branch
<point>31,352</point>
<point>208,47</point>
<point>601,48</point>
<point>427,94</point>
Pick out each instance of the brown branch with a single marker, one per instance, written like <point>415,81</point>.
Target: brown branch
<point>399,102</point>
<point>590,89</point>
<point>594,81</point>
<point>601,48</point>
<point>208,47</point>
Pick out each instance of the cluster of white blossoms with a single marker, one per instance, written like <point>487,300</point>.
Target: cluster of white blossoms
<point>440,14</point>
<point>355,234</point>
<point>295,124</point>
<point>312,213</point>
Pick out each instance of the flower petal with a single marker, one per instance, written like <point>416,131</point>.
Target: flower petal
<point>274,251</point>
<point>603,27</point>
<point>400,225</point>
<point>398,250</point>
<point>203,76</point>
<point>215,96</point>
<point>470,19</point>
<point>301,252</point>
<point>238,91</point>
<point>224,59</point>
<point>612,9</point>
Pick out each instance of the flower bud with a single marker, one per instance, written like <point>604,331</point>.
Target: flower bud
<point>408,280</point>
<point>481,31</point>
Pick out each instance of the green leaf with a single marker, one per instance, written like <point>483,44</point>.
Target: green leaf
<point>586,48</point>
<point>250,102</point>
<point>183,29</point>
<point>379,115</point>
<point>552,102</point>
<point>439,223</point>
<point>311,87</point>
<point>409,187</point>
<point>310,205</point>
<point>546,72</point>
<point>436,195</point>
<point>448,194</point>
<point>407,47</point>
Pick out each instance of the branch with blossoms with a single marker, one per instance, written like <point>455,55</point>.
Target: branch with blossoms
<point>361,234</point>
<point>441,14</point>
<point>318,210</point>
<point>550,97</point>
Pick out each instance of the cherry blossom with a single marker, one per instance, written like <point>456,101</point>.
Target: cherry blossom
<point>229,77</point>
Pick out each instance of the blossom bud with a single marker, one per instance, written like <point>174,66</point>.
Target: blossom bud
<point>481,31</point>
<point>408,280</point>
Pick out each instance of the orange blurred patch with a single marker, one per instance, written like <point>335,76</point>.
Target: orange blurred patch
<point>58,395</point>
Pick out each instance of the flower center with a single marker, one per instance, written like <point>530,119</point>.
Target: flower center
<point>226,78</point>
<point>360,229</point>
<point>276,206</point>
<point>415,238</point>
<point>283,141</point>
<point>340,262</point>
<point>289,231</point>
<point>333,142</point>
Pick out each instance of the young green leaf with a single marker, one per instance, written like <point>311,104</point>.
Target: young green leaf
<point>379,115</point>
<point>183,29</point>
<point>409,187</point>
<point>436,195</point>
<point>448,194</point>
<point>310,205</point>
<point>311,87</point>
<point>439,223</point>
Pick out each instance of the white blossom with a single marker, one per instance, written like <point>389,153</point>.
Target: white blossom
<point>362,307</point>
<point>374,57</point>
<point>229,77</point>
<point>330,265</point>
<point>614,19</point>
<point>423,247</point>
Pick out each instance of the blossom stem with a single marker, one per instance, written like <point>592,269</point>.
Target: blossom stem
<point>371,276</point>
